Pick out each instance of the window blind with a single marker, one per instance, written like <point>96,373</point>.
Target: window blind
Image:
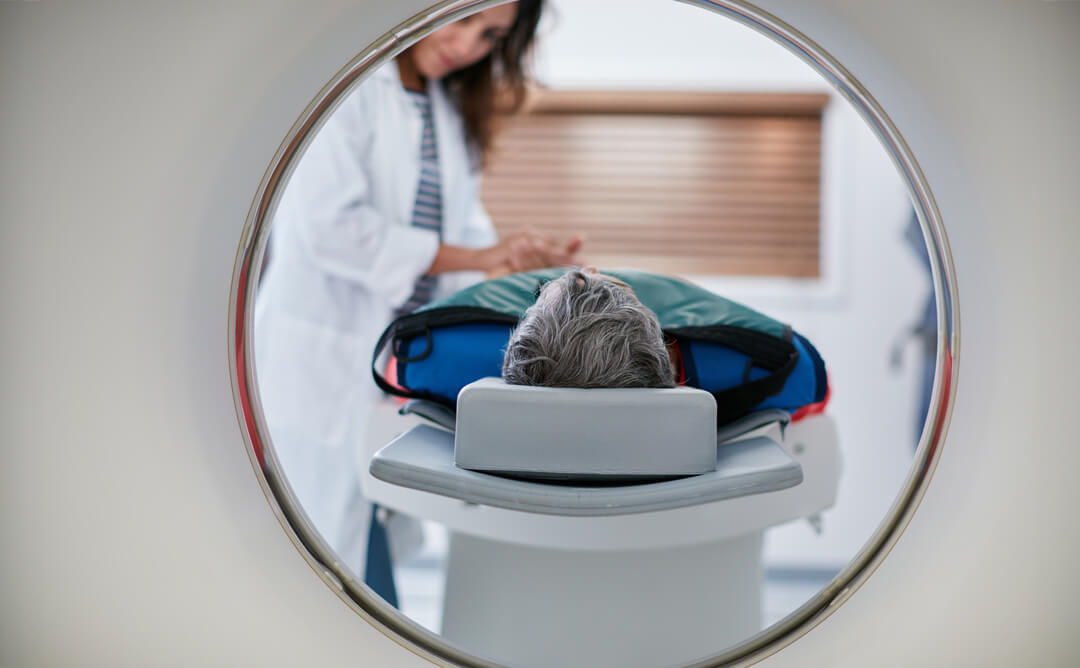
<point>682,183</point>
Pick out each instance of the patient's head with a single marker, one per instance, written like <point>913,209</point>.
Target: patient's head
<point>588,330</point>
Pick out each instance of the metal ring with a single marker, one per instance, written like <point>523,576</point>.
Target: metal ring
<point>431,646</point>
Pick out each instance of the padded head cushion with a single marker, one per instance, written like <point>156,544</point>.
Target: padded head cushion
<point>572,433</point>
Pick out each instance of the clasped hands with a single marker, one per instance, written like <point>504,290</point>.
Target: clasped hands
<point>527,250</point>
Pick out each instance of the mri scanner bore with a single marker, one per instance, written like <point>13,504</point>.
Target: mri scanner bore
<point>498,582</point>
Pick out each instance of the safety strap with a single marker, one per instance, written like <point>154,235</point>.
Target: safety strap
<point>390,334</point>
<point>407,327</point>
<point>738,401</point>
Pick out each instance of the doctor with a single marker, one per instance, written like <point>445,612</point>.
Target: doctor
<point>382,214</point>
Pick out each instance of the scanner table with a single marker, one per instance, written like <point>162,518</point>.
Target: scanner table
<point>569,573</point>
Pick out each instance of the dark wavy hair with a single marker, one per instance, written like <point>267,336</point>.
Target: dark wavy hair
<point>497,84</point>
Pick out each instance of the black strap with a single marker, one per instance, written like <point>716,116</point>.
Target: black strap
<point>410,325</point>
<point>731,403</point>
<point>384,385</point>
<point>766,350</point>
<point>405,359</point>
<point>738,401</point>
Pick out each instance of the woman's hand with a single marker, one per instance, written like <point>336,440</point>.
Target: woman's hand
<point>526,251</point>
<point>521,251</point>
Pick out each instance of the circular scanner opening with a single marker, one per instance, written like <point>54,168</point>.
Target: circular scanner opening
<point>832,283</point>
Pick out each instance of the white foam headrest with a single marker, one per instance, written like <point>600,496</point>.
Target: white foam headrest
<point>578,433</point>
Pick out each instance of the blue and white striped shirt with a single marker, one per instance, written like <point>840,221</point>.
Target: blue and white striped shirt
<point>427,212</point>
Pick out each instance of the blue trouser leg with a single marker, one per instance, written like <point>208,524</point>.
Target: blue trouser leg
<point>379,573</point>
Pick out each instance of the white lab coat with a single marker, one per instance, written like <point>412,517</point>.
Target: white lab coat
<point>343,256</point>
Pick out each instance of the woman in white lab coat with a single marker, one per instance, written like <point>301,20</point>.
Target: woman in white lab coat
<point>355,240</point>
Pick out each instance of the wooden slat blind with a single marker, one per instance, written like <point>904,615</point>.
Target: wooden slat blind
<point>669,182</point>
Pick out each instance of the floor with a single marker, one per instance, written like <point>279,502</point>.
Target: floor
<point>420,584</point>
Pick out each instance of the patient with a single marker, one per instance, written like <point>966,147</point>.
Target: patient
<point>588,330</point>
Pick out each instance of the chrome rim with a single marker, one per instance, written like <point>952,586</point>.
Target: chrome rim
<point>432,646</point>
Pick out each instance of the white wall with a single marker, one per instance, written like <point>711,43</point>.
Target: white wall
<point>872,285</point>
<point>660,44</point>
<point>135,532</point>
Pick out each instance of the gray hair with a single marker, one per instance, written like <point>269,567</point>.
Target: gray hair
<point>591,333</point>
